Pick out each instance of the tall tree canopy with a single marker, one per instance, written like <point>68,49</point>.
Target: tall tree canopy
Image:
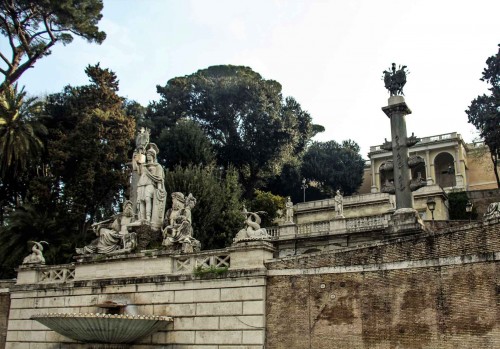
<point>33,27</point>
<point>334,166</point>
<point>245,117</point>
<point>484,111</point>
<point>89,143</point>
<point>217,215</point>
<point>184,144</point>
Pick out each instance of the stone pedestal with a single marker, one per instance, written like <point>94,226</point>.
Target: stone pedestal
<point>287,230</point>
<point>338,225</point>
<point>250,254</point>
<point>404,221</point>
<point>147,237</point>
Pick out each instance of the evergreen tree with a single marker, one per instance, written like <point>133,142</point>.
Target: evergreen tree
<point>217,215</point>
<point>484,112</point>
<point>33,27</point>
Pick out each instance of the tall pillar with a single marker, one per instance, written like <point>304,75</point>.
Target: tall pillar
<point>396,111</point>
<point>374,179</point>
<point>428,168</point>
<point>405,219</point>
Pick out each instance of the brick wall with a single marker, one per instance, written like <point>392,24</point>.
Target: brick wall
<point>437,290</point>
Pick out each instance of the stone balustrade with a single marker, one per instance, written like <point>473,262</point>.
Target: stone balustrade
<point>424,140</point>
<point>188,263</point>
<point>316,227</point>
<point>57,274</point>
<point>240,256</point>
<point>336,226</point>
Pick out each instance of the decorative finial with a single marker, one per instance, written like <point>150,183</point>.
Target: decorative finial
<point>395,80</point>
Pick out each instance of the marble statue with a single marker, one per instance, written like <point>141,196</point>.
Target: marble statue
<point>150,187</point>
<point>142,140</point>
<point>252,231</point>
<point>288,210</point>
<point>178,233</point>
<point>36,256</point>
<point>395,80</point>
<point>493,211</point>
<point>339,204</point>
<point>114,237</point>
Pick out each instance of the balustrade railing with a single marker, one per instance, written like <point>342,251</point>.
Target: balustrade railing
<point>366,223</point>
<point>317,227</point>
<point>187,264</point>
<point>56,275</point>
<point>349,225</point>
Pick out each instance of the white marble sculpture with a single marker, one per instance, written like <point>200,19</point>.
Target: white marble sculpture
<point>178,234</point>
<point>252,231</point>
<point>113,237</point>
<point>150,187</point>
<point>288,210</point>
<point>36,256</point>
<point>493,211</point>
<point>339,204</point>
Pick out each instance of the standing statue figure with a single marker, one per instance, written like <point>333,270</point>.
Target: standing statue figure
<point>151,193</point>
<point>178,234</point>
<point>142,140</point>
<point>252,231</point>
<point>395,80</point>
<point>114,238</point>
<point>339,204</point>
<point>288,210</point>
<point>36,256</point>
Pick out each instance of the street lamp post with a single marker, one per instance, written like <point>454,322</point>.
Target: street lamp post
<point>468,209</point>
<point>304,186</point>
<point>431,205</point>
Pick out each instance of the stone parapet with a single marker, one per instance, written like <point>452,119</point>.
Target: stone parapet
<point>216,298</point>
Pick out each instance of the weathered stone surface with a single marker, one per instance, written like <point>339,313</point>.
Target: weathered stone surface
<point>435,290</point>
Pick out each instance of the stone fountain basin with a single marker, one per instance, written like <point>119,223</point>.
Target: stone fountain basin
<point>102,328</point>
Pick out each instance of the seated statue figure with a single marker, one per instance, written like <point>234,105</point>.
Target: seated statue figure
<point>178,234</point>
<point>115,238</point>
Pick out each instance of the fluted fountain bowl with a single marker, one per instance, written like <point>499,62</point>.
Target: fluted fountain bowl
<point>102,328</point>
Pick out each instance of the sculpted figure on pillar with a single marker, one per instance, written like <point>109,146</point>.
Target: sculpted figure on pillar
<point>288,210</point>
<point>395,80</point>
<point>113,236</point>
<point>178,234</point>
<point>339,204</point>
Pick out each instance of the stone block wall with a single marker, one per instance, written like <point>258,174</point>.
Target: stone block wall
<point>5,286</point>
<point>216,298</point>
<point>439,290</point>
<point>209,312</point>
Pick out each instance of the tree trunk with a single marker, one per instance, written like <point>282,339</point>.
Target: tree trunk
<point>494,159</point>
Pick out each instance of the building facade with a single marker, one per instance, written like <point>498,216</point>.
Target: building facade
<point>448,162</point>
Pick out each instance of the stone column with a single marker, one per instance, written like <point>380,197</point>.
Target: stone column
<point>428,168</point>
<point>396,111</point>
<point>374,179</point>
<point>405,219</point>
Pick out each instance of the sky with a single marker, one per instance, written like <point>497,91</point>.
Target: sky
<point>329,55</point>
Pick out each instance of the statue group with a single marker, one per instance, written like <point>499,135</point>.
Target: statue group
<point>146,208</point>
<point>395,80</point>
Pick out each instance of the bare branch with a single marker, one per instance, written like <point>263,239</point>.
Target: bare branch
<point>5,60</point>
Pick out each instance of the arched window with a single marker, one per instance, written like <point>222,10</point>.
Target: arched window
<point>419,170</point>
<point>386,173</point>
<point>444,167</point>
